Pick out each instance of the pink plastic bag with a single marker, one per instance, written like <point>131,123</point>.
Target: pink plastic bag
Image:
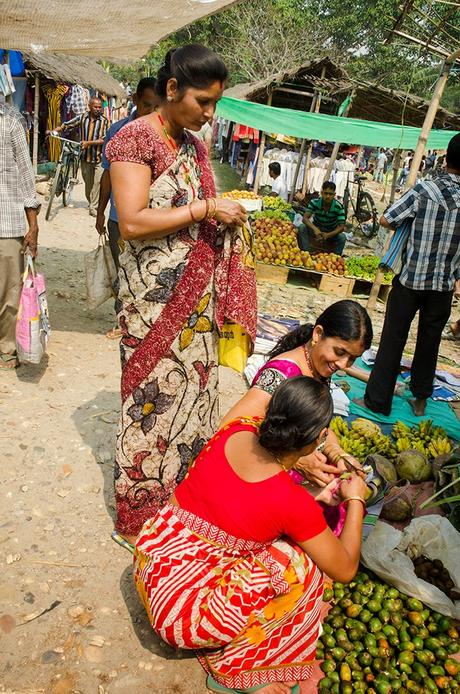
<point>32,326</point>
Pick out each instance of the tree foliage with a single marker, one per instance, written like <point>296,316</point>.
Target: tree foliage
<point>257,38</point>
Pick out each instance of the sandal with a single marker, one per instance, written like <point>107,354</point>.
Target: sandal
<point>114,334</point>
<point>8,362</point>
<point>214,686</point>
<point>120,540</point>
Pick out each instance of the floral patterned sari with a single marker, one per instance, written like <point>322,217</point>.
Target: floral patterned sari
<point>175,293</point>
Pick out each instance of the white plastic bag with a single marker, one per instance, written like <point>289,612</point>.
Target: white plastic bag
<point>100,274</point>
<point>388,553</point>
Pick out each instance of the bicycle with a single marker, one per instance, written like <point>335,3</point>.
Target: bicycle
<point>65,176</point>
<point>364,215</point>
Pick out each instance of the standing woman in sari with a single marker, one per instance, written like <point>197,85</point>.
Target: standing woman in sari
<point>181,274</point>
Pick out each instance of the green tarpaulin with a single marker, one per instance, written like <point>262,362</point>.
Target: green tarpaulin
<point>317,126</point>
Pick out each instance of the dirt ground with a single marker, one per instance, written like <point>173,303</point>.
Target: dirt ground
<point>70,620</point>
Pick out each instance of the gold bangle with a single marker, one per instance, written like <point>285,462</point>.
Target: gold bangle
<point>211,211</point>
<point>355,498</point>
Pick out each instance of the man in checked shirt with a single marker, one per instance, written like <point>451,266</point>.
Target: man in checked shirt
<point>19,208</point>
<point>93,127</point>
<point>430,269</point>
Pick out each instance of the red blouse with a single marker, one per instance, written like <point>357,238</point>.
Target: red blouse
<point>258,511</point>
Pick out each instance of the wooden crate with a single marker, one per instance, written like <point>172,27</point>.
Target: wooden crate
<point>271,273</point>
<point>340,286</point>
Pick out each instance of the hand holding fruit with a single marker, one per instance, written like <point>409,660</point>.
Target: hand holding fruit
<point>316,468</point>
<point>230,212</point>
<point>353,486</point>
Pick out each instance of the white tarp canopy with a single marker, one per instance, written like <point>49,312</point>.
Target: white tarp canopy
<point>112,29</point>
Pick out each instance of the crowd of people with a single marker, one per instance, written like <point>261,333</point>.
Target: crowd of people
<point>229,519</point>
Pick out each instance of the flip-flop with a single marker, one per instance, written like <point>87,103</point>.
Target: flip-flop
<point>214,686</point>
<point>116,537</point>
<point>5,360</point>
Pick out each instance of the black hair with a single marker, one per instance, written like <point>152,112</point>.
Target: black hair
<point>345,319</point>
<point>328,185</point>
<point>299,410</point>
<point>192,65</point>
<point>453,153</point>
<point>275,168</point>
<point>144,84</point>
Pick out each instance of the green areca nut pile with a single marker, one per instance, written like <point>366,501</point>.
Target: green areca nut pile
<point>378,640</point>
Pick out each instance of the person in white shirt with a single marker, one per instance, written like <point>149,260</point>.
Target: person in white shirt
<point>278,186</point>
<point>380,166</point>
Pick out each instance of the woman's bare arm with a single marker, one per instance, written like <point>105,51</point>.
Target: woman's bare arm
<point>253,404</point>
<point>338,558</point>
<point>131,184</point>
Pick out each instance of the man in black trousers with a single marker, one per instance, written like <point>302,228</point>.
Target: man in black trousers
<point>430,267</point>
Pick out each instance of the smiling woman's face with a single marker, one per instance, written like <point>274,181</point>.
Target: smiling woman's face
<point>329,354</point>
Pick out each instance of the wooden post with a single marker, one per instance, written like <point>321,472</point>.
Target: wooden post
<point>36,120</point>
<point>335,150</point>
<point>396,165</point>
<point>315,107</point>
<point>297,169</point>
<point>261,152</point>
<point>417,158</point>
<point>430,116</point>
<point>359,157</point>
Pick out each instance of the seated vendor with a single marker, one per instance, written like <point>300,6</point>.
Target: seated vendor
<point>324,222</point>
<point>278,186</point>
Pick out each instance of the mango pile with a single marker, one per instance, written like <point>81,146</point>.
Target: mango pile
<point>241,194</point>
<point>378,640</point>
<point>276,244</point>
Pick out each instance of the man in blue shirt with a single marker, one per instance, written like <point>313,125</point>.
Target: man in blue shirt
<point>145,101</point>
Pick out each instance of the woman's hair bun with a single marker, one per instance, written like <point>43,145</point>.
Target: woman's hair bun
<point>192,65</point>
<point>297,413</point>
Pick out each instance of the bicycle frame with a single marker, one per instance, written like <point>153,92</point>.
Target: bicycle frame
<point>65,176</point>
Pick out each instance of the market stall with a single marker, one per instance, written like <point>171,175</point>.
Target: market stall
<point>51,88</point>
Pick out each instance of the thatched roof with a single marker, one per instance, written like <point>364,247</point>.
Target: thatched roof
<point>72,69</point>
<point>304,78</point>
<point>371,102</point>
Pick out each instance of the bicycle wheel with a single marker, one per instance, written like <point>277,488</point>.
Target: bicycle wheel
<point>57,185</point>
<point>69,182</point>
<point>366,214</point>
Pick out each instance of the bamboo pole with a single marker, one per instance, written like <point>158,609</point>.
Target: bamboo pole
<point>297,169</point>
<point>396,165</point>
<point>417,158</point>
<point>315,108</point>
<point>261,152</point>
<point>336,147</point>
<point>36,120</point>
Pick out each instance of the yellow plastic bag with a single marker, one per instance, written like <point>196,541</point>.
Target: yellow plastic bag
<point>234,346</point>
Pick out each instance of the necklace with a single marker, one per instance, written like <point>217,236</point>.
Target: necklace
<point>168,137</point>
<point>279,461</point>
<point>311,368</point>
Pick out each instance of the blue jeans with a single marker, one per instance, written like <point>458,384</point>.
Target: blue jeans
<point>307,242</point>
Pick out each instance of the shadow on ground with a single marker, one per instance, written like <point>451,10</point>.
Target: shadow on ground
<point>96,421</point>
<point>141,625</point>
<point>64,271</point>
